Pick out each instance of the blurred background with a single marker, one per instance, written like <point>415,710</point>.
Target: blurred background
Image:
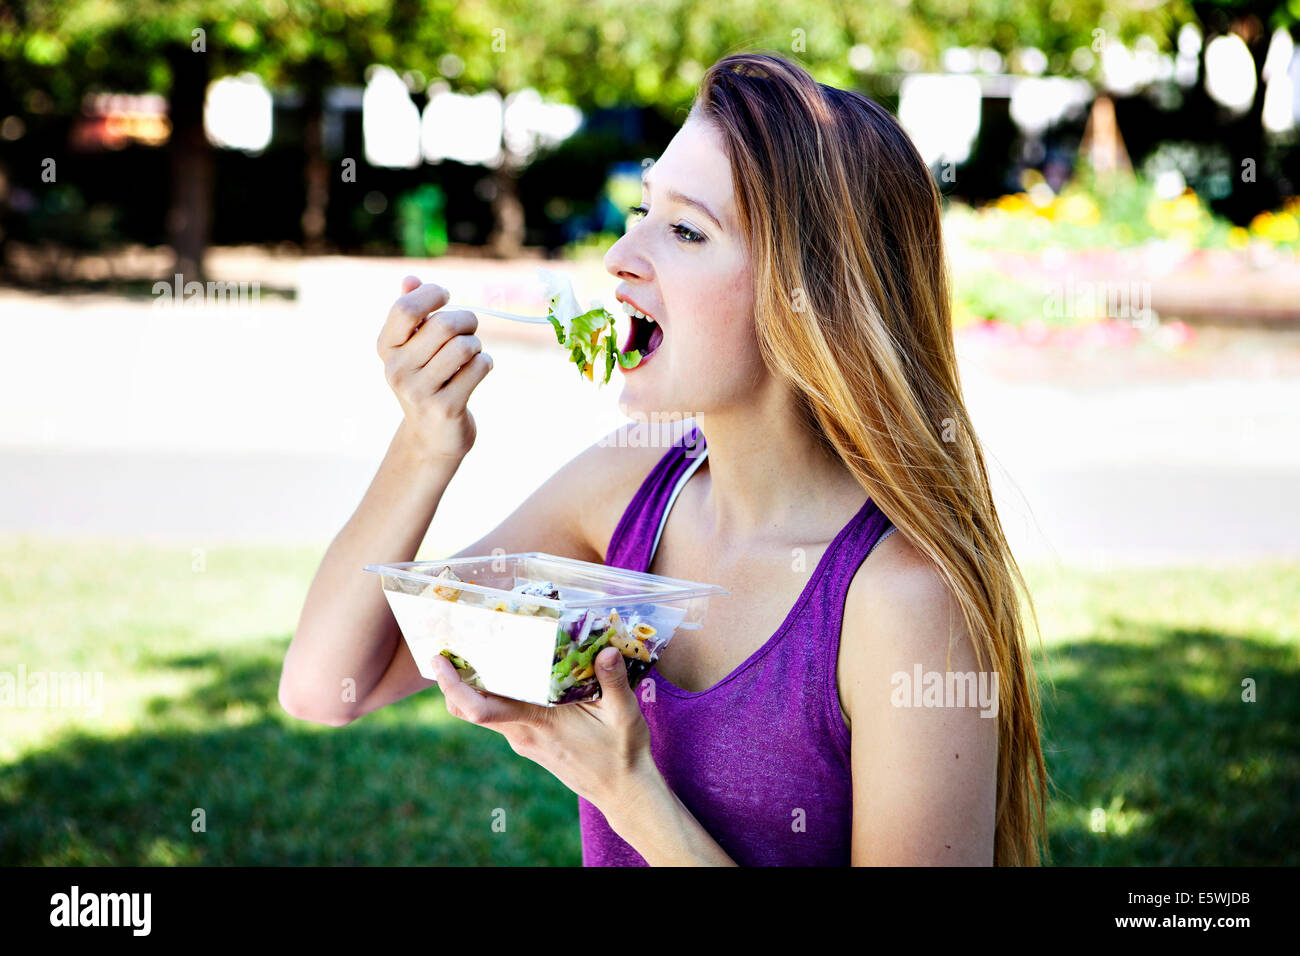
<point>1120,186</point>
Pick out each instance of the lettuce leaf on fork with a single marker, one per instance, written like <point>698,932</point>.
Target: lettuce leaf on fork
<point>589,336</point>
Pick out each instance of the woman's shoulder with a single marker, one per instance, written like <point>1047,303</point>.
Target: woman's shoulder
<point>896,570</point>
<point>898,609</point>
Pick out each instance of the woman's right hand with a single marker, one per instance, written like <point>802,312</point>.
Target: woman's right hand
<point>432,363</point>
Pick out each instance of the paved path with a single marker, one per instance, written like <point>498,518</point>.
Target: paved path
<point>205,426</point>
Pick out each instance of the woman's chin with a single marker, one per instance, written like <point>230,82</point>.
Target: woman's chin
<point>649,392</point>
<point>640,405</point>
<point>638,397</point>
<point>631,399</point>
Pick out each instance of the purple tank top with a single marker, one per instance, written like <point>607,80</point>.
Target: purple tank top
<point>761,759</point>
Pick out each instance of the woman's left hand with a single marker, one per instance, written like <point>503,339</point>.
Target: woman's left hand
<point>600,749</point>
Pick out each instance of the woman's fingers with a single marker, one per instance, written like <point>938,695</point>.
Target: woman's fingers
<point>477,707</point>
<point>460,385</point>
<point>423,350</point>
<point>408,314</point>
<point>434,345</point>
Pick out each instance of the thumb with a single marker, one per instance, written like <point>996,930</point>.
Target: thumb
<point>611,671</point>
<point>410,284</point>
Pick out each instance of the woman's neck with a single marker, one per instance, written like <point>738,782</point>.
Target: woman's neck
<point>766,477</point>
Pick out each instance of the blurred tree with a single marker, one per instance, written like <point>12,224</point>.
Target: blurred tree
<point>599,53</point>
<point>314,44</point>
<point>69,47</point>
<point>1057,28</point>
<point>1254,22</point>
<point>589,53</point>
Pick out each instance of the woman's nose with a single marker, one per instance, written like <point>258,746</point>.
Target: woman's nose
<point>622,259</point>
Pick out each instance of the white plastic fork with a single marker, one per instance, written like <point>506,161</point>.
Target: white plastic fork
<point>534,319</point>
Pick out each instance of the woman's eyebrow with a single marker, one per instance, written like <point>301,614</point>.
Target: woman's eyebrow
<point>675,196</point>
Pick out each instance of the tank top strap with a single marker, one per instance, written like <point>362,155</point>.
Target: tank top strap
<point>823,622</point>
<point>859,538</point>
<point>865,532</point>
<point>636,536</point>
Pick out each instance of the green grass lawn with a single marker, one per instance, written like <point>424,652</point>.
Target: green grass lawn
<point>1145,722</point>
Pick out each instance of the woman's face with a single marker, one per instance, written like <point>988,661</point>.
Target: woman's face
<point>692,274</point>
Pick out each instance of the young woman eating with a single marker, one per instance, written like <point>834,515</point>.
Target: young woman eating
<point>789,262</point>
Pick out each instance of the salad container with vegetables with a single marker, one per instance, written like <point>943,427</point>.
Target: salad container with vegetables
<point>529,625</point>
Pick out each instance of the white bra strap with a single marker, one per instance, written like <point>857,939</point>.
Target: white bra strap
<point>663,520</point>
<point>892,529</point>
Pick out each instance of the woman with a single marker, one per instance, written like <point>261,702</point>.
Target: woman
<point>790,253</point>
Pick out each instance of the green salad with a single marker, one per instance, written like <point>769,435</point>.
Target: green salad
<point>581,634</point>
<point>589,336</point>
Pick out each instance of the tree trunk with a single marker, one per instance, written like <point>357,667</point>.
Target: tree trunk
<point>1251,144</point>
<point>507,237</point>
<point>4,223</point>
<point>315,169</point>
<point>1102,144</point>
<point>189,218</point>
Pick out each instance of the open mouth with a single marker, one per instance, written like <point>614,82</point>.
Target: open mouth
<point>646,336</point>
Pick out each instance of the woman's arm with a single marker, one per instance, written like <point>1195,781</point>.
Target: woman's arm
<point>655,823</point>
<point>345,639</point>
<point>346,628</point>
<point>924,777</point>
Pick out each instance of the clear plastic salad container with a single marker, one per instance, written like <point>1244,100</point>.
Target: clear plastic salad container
<point>529,625</point>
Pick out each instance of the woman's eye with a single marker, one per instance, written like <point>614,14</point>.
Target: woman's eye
<point>686,234</point>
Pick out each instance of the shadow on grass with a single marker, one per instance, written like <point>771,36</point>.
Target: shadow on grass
<point>404,785</point>
<point>242,679</point>
<point>1152,730</point>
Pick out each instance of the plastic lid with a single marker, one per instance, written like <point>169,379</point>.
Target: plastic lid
<point>633,587</point>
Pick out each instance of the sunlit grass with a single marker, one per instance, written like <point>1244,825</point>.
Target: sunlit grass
<point>1148,722</point>
<point>1156,757</point>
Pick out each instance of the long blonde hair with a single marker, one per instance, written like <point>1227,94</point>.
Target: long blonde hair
<point>853,310</point>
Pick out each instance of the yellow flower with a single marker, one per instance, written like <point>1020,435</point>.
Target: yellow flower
<point>1078,210</point>
<point>1261,223</point>
<point>1238,238</point>
<point>1276,227</point>
<point>1014,203</point>
<point>962,315</point>
<point>1184,216</point>
<point>1158,214</point>
<point>1187,210</point>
